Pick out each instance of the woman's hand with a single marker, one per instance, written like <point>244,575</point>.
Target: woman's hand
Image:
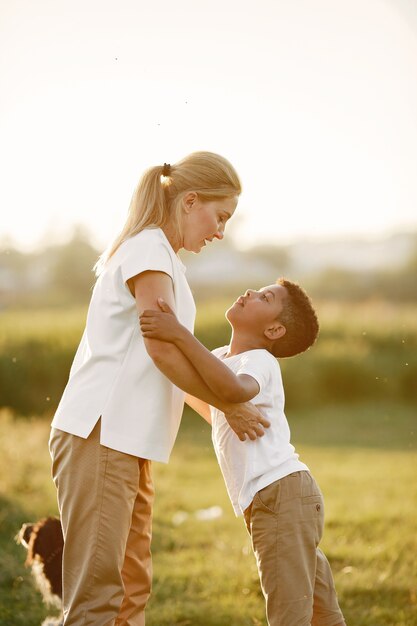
<point>162,325</point>
<point>245,419</point>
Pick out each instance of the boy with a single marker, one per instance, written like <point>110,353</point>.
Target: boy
<point>267,484</point>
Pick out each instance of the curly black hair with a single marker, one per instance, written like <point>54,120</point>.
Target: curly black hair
<point>300,320</point>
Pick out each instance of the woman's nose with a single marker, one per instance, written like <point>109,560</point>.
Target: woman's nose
<point>219,234</point>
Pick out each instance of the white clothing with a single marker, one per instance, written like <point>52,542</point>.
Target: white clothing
<point>249,466</point>
<point>112,375</point>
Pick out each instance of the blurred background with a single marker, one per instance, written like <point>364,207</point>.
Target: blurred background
<point>314,103</point>
<point>365,292</point>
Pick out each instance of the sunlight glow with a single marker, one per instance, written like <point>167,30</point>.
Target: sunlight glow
<point>314,103</point>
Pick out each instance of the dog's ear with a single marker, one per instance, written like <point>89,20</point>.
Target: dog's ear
<point>24,534</point>
<point>46,538</point>
<point>48,535</point>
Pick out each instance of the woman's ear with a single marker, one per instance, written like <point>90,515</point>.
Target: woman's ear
<point>189,201</point>
<point>275,331</point>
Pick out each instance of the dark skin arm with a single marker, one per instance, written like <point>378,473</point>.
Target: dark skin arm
<point>229,387</point>
<point>244,418</point>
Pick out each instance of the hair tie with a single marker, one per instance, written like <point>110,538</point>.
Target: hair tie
<point>166,170</point>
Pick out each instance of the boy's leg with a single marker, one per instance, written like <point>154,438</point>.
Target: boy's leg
<point>97,488</point>
<point>326,607</point>
<point>137,567</point>
<point>286,524</point>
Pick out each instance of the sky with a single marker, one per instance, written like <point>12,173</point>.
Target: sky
<point>313,101</point>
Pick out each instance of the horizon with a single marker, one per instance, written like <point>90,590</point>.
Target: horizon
<point>81,233</point>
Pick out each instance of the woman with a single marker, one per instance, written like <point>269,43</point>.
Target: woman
<point>120,410</point>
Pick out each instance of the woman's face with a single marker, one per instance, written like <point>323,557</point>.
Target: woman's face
<point>204,221</point>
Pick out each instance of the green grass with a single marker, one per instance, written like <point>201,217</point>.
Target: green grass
<point>364,458</point>
<point>352,412</point>
<point>365,352</point>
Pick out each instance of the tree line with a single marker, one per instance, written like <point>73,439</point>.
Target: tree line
<point>62,274</point>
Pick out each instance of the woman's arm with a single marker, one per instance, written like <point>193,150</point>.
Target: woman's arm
<point>199,406</point>
<point>228,386</point>
<point>244,419</point>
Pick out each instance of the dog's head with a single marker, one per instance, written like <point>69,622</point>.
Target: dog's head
<point>24,534</point>
<point>42,539</point>
<point>44,542</point>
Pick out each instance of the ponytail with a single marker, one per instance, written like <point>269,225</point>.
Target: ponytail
<point>159,194</point>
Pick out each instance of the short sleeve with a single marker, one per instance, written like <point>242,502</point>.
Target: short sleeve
<point>258,364</point>
<point>143,252</point>
<point>219,352</point>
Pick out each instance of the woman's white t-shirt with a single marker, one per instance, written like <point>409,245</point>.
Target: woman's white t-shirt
<point>112,375</point>
<point>249,466</point>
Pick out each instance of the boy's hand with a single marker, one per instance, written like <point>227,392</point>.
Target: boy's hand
<point>245,419</point>
<point>162,325</point>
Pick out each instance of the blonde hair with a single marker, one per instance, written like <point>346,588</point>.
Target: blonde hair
<point>157,199</point>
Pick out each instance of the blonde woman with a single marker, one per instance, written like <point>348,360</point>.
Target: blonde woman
<point>120,410</point>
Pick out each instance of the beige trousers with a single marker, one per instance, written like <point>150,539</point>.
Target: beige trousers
<point>105,501</point>
<point>285,522</point>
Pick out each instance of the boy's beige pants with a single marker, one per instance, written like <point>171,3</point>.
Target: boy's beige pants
<point>285,522</point>
<point>105,501</point>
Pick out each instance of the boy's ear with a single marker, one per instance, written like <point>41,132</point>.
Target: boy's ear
<point>275,331</point>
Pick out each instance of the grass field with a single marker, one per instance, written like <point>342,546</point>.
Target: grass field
<point>365,459</point>
<point>351,404</point>
<point>365,352</point>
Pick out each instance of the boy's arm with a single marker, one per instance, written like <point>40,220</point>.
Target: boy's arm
<point>228,386</point>
<point>244,419</point>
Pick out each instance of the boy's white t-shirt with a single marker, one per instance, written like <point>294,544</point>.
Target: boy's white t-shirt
<point>112,375</point>
<point>248,466</point>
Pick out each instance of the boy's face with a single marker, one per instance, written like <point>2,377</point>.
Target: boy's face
<point>257,311</point>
